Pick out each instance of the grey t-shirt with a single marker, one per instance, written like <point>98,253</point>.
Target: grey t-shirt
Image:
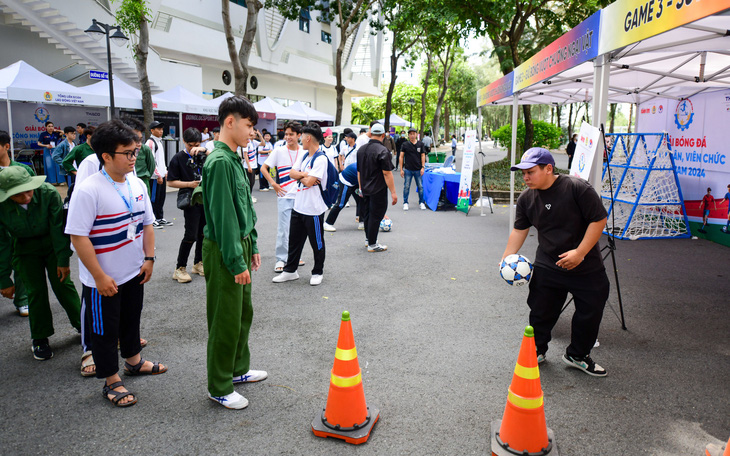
<point>561,214</point>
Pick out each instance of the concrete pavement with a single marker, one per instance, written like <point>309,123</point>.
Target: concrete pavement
<point>437,334</point>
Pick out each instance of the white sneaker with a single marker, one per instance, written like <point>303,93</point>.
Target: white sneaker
<point>315,280</point>
<point>328,227</point>
<point>405,206</point>
<point>422,206</point>
<point>361,225</point>
<point>231,401</point>
<point>285,277</point>
<point>23,311</point>
<point>377,248</point>
<point>251,376</point>
<point>347,204</point>
<point>253,199</point>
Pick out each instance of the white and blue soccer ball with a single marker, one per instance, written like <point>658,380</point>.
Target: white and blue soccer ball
<point>516,270</point>
<point>386,225</point>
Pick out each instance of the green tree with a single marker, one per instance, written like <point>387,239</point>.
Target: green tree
<point>349,16</point>
<point>239,59</point>
<point>132,16</point>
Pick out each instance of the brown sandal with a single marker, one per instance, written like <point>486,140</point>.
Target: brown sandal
<point>118,395</point>
<point>137,369</point>
<point>87,360</point>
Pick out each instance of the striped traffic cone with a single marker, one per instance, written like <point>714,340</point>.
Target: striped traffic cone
<point>716,450</point>
<point>346,415</point>
<point>522,429</point>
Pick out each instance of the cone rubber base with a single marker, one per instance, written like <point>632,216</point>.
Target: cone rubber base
<point>498,450</point>
<point>355,437</point>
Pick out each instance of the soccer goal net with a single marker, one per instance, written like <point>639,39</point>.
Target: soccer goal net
<point>640,188</point>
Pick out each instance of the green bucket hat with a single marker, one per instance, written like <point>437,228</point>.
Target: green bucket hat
<point>15,179</point>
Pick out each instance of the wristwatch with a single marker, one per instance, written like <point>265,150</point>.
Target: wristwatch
<point>152,259</point>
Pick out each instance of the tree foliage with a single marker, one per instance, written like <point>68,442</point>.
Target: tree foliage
<point>373,108</point>
<point>133,18</point>
<point>547,135</point>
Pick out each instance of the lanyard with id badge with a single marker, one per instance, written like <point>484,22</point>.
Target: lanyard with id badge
<point>131,228</point>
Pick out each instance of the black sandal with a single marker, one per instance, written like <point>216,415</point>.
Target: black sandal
<point>136,369</point>
<point>118,395</point>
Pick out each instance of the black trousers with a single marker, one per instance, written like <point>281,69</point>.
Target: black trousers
<point>158,205</point>
<point>194,224</point>
<point>343,195</point>
<point>548,291</point>
<point>302,227</point>
<point>372,211</point>
<point>251,179</point>
<point>114,318</point>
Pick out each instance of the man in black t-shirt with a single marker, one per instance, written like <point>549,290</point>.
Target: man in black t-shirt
<point>569,217</point>
<point>375,174</point>
<point>184,172</point>
<point>412,166</point>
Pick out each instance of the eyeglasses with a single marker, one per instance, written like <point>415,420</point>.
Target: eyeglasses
<point>131,154</point>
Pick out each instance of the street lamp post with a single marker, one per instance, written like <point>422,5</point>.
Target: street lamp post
<point>411,102</point>
<point>95,32</point>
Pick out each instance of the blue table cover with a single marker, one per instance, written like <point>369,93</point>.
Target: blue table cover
<point>434,182</point>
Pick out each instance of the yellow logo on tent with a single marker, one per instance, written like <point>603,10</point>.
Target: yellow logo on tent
<point>47,96</point>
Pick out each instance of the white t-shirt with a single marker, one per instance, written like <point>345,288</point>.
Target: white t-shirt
<point>332,154</point>
<point>251,151</point>
<point>90,166</point>
<point>362,140</point>
<point>280,143</point>
<point>309,200</point>
<point>158,149</point>
<point>350,157</point>
<point>283,159</point>
<point>342,147</point>
<point>264,149</point>
<point>210,145</point>
<point>97,211</point>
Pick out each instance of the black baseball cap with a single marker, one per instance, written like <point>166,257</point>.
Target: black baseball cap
<point>351,135</point>
<point>412,130</point>
<point>156,124</point>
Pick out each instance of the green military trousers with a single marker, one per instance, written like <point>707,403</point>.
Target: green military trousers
<point>32,259</point>
<point>230,313</point>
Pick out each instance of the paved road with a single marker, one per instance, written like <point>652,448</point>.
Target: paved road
<point>437,334</point>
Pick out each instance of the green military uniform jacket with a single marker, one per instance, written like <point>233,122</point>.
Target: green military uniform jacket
<point>23,165</point>
<point>145,165</point>
<point>77,155</point>
<point>30,229</point>
<point>229,212</point>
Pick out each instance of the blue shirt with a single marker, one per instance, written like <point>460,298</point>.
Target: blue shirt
<point>349,175</point>
<point>47,138</point>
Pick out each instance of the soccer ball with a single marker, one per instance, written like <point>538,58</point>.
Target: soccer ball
<point>516,270</point>
<point>386,225</point>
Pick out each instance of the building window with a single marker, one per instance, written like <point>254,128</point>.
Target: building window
<point>239,2</point>
<point>326,37</point>
<point>304,19</point>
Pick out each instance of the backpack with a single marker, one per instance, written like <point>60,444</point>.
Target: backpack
<point>329,191</point>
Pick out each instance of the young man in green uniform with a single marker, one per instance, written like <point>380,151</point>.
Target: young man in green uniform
<point>229,254</point>
<point>78,153</point>
<point>31,213</point>
<point>20,298</point>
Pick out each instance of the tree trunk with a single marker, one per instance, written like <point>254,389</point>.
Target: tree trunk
<point>140,52</point>
<point>447,122</point>
<point>612,114</point>
<point>239,77</point>
<point>631,116</point>
<point>448,63</point>
<point>559,112</point>
<point>253,6</point>
<point>529,129</point>
<point>570,122</point>
<point>429,68</point>
<point>339,88</point>
<point>393,76</point>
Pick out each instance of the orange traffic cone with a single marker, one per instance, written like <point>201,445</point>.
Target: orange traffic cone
<point>346,415</point>
<point>716,450</point>
<point>522,429</point>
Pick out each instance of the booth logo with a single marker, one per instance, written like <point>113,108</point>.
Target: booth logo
<point>582,163</point>
<point>42,115</point>
<point>661,109</point>
<point>48,96</point>
<point>653,109</point>
<point>684,115</point>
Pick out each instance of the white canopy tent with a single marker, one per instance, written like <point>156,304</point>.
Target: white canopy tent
<point>23,83</point>
<point>281,112</point>
<point>681,62</point>
<point>125,96</point>
<point>217,100</point>
<point>311,113</point>
<point>396,121</point>
<point>180,99</point>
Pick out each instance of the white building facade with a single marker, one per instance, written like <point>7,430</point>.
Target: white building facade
<point>290,61</point>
